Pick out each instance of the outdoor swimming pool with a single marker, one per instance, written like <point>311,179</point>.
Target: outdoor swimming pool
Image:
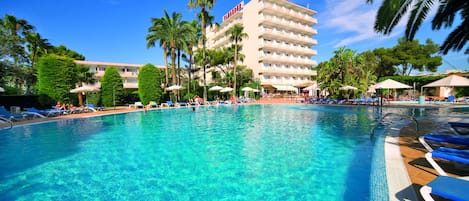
<point>245,152</point>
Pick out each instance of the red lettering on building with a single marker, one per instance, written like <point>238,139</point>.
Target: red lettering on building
<point>233,11</point>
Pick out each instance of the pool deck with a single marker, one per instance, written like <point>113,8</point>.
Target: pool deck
<point>406,167</point>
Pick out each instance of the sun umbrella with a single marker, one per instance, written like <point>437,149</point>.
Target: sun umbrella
<point>256,90</point>
<point>215,88</point>
<point>311,88</point>
<point>2,90</point>
<point>174,87</point>
<point>85,88</point>
<point>371,89</point>
<point>226,89</point>
<point>450,81</point>
<point>391,84</point>
<point>348,87</point>
<point>247,89</point>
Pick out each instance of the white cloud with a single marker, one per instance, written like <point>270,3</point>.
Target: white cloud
<point>354,19</point>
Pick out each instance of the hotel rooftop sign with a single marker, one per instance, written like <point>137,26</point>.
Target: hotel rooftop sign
<point>233,11</point>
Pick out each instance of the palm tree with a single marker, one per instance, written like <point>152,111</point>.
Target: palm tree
<point>36,44</point>
<point>192,38</point>
<point>391,12</point>
<point>157,33</point>
<point>84,75</point>
<point>176,30</point>
<point>236,35</point>
<point>203,5</point>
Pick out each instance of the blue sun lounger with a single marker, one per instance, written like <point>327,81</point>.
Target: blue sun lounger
<point>454,155</point>
<point>446,187</point>
<point>441,138</point>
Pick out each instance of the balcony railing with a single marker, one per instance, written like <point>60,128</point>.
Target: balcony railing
<point>289,37</point>
<point>288,48</point>
<point>280,71</point>
<point>131,85</point>
<point>287,60</point>
<point>281,82</point>
<point>282,11</point>
<point>281,22</point>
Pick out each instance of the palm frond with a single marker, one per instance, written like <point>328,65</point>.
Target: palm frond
<point>417,16</point>
<point>446,13</point>
<point>389,14</point>
<point>457,38</point>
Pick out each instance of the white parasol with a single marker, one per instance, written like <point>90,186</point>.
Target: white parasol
<point>174,87</point>
<point>215,88</point>
<point>226,89</point>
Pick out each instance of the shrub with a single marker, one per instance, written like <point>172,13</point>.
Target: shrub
<point>112,89</point>
<point>56,77</point>
<point>149,88</point>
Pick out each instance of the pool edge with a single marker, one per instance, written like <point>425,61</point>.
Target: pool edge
<point>399,184</point>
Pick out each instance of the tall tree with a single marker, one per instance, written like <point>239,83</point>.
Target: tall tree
<point>56,77</point>
<point>13,32</point>
<point>204,5</point>
<point>385,66</point>
<point>391,12</point>
<point>342,69</point>
<point>192,39</point>
<point>112,87</point>
<point>410,55</point>
<point>236,35</point>
<point>157,33</point>
<point>36,44</point>
<point>176,29</point>
<point>17,29</point>
<point>148,87</point>
<point>64,51</point>
<point>84,75</point>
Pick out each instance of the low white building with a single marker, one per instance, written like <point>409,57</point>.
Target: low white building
<point>128,72</point>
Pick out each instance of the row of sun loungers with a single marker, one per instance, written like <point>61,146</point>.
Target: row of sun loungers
<point>370,101</point>
<point>32,112</point>
<point>153,104</point>
<point>453,148</point>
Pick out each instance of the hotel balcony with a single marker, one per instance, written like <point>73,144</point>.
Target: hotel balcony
<point>283,71</point>
<point>287,48</point>
<point>131,85</point>
<point>220,42</point>
<point>218,32</point>
<point>289,37</point>
<point>129,74</point>
<point>286,24</point>
<point>281,82</point>
<point>287,60</point>
<point>287,13</point>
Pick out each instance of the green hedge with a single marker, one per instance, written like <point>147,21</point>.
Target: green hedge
<point>149,87</point>
<point>112,89</point>
<point>56,77</point>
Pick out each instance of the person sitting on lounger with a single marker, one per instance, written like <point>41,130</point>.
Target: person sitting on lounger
<point>59,106</point>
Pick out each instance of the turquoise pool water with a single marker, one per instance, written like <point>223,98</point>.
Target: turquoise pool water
<point>246,152</point>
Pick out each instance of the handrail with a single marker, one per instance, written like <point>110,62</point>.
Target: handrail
<point>372,132</point>
<point>8,121</point>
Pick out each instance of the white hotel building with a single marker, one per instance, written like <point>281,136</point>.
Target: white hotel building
<point>128,72</point>
<point>278,46</point>
<point>277,49</point>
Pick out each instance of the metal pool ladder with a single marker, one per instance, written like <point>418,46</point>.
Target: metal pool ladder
<point>7,121</point>
<point>383,123</point>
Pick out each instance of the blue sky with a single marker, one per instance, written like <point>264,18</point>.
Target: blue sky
<point>115,30</point>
